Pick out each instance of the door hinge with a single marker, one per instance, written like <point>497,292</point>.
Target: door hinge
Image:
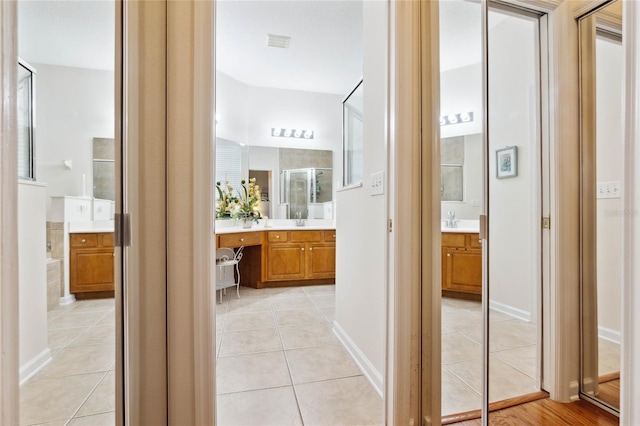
<point>122,229</point>
<point>390,225</point>
<point>546,223</point>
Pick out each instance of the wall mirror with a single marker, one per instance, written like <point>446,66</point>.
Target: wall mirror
<point>291,180</point>
<point>601,79</point>
<point>352,135</point>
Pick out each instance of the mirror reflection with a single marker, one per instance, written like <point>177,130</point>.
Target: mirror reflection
<point>603,203</point>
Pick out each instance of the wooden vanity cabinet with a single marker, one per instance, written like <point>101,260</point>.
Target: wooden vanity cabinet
<point>461,265</point>
<point>297,255</point>
<point>91,262</point>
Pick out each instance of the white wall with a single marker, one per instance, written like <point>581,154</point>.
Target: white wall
<point>461,91</point>
<point>247,114</point>
<point>32,271</point>
<point>514,216</point>
<point>360,217</point>
<point>609,157</point>
<point>73,105</point>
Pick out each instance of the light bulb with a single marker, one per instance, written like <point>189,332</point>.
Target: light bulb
<point>276,131</point>
<point>465,116</point>
<point>298,133</point>
<point>287,133</point>
<point>308,134</point>
<point>443,121</point>
<point>453,118</point>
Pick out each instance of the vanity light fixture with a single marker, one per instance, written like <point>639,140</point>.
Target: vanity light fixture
<point>457,118</point>
<point>277,132</point>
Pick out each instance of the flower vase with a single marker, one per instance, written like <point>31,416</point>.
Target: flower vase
<point>246,222</point>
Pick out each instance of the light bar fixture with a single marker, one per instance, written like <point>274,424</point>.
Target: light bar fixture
<point>457,118</point>
<point>278,132</point>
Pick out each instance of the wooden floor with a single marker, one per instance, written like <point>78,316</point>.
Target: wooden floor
<point>609,392</point>
<point>547,412</point>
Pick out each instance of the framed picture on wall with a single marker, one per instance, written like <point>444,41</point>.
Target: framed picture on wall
<point>507,162</point>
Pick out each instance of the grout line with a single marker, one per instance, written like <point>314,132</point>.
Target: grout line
<point>84,401</point>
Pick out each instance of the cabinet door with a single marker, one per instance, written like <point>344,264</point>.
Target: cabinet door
<point>321,261</point>
<point>91,270</point>
<point>285,261</point>
<point>462,270</point>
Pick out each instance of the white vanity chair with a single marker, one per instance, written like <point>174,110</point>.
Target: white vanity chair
<point>227,262</point>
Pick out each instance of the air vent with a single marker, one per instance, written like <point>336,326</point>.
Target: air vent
<point>278,41</point>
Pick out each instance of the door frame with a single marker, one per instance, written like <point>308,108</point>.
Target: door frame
<point>560,358</point>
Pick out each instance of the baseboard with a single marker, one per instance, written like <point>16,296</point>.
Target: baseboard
<point>67,300</point>
<point>510,310</point>
<point>369,371</point>
<point>609,334</point>
<point>34,365</point>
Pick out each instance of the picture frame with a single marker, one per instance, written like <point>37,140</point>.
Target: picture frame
<point>507,162</point>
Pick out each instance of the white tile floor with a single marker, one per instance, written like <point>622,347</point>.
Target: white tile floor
<point>279,362</point>
<point>77,386</point>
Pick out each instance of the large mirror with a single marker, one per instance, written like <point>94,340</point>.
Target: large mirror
<point>294,183</point>
<point>601,76</point>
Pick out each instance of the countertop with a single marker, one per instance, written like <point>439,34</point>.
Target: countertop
<point>232,226</point>
<point>91,227</point>
<point>463,226</point>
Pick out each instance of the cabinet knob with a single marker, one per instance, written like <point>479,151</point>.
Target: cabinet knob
<point>334,235</point>
<point>277,236</point>
<point>448,254</point>
<point>84,240</point>
<point>242,240</point>
<point>302,249</point>
<point>310,248</point>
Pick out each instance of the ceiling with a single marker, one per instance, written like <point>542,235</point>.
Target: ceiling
<point>69,33</point>
<point>325,53</point>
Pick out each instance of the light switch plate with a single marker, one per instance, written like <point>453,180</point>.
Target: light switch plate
<point>377,183</point>
<point>609,189</point>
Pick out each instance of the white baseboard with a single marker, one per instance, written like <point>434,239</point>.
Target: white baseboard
<point>609,334</point>
<point>31,367</point>
<point>510,310</point>
<point>67,300</point>
<point>369,371</point>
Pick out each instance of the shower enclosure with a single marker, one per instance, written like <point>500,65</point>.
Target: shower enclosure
<point>305,191</point>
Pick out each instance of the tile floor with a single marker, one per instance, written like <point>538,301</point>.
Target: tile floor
<point>77,386</point>
<point>310,379</point>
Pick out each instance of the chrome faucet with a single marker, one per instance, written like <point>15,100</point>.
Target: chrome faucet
<point>299,220</point>
<point>451,220</point>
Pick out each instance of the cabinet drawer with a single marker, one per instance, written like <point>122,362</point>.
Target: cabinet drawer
<point>330,235</point>
<point>453,240</point>
<point>83,240</point>
<point>473,241</point>
<point>240,239</point>
<point>305,236</point>
<point>107,240</point>
<point>277,236</point>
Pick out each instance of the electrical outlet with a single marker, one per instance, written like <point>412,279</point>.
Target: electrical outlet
<point>609,189</point>
<point>377,183</point>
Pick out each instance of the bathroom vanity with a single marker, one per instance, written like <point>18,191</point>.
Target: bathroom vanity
<point>283,256</point>
<point>461,264</point>
<point>91,264</point>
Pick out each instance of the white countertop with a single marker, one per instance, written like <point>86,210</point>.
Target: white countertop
<point>90,227</point>
<point>227,226</point>
<point>463,226</point>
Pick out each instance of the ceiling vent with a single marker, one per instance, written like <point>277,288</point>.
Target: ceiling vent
<point>278,41</point>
